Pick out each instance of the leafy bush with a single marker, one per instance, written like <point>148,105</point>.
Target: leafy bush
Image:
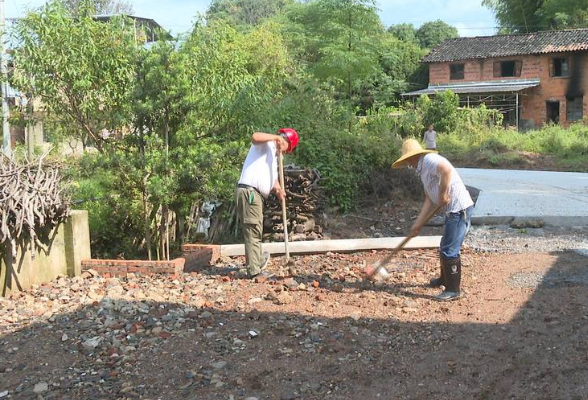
<point>444,112</point>
<point>115,218</point>
<point>344,148</point>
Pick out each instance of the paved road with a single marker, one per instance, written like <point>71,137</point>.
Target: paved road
<point>559,198</point>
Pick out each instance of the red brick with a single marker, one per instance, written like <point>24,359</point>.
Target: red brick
<point>200,256</point>
<point>123,267</point>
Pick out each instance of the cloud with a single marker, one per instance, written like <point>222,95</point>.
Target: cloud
<point>17,8</point>
<point>470,17</point>
<point>175,15</point>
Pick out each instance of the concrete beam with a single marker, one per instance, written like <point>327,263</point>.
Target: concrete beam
<point>77,241</point>
<point>547,220</point>
<point>336,246</point>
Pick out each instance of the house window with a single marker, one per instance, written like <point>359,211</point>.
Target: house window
<point>552,108</point>
<point>456,71</point>
<point>574,108</point>
<point>505,69</point>
<point>560,67</point>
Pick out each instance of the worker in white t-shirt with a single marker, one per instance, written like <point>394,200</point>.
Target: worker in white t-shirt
<point>259,177</point>
<point>430,138</point>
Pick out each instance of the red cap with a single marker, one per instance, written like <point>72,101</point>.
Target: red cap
<point>292,137</point>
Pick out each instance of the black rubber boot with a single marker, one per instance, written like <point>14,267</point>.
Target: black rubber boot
<point>452,275</point>
<point>437,282</point>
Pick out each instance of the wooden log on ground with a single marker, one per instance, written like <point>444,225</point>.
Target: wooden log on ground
<point>304,200</point>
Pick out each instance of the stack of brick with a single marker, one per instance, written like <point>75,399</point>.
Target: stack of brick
<point>120,268</point>
<point>200,256</point>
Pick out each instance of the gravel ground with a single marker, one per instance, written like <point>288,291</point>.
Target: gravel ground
<point>503,239</point>
<point>323,334</point>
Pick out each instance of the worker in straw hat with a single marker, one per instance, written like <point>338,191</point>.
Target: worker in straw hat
<point>443,187</point>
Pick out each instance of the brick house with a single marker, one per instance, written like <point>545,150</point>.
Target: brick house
<point>532,78</point>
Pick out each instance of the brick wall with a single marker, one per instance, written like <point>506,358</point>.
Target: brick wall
<point>533,101</point>
<point>200,256</point>
<point>120,268</point>
<point>196,257</point>
<point>483,70</point>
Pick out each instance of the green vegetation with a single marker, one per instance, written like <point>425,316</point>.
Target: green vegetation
<point>103,7</point>
<point>171,122</point>
<point>538,15</point>
<point>84,84</point>
<point>429,35</point>
<point>550,147</point>
<point>245,13</point>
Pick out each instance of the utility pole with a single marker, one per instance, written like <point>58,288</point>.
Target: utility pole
<point>7,146</point>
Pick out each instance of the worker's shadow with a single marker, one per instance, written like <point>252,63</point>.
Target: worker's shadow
<point>357,285</point>
<point>326,282</point>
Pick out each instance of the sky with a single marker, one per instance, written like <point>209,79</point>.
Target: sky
<point>468,16</point>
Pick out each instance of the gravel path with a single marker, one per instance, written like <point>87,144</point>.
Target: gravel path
<point>323,334</point>
<point>503,239</point>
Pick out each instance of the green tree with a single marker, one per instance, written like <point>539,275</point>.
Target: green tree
<point>338,40</point>
<point>431,34</point>
<point>517,15</point>
<point>400,70</point>
<point>405,32</point>
<point>245,12</point>
<point>442,111</point>
<point>101,7</point>
<point>158,112</point>
<point>563,14</point>
<point>194,106</point>
<point>81,69</point>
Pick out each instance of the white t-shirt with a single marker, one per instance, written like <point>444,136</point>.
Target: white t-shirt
<point>459,196</point>
<point>430,140</point>
<point>260,169</point>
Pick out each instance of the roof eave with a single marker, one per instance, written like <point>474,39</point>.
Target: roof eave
<point>551,51</point>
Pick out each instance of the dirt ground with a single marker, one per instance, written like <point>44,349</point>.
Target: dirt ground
<point>519,332</point>
<point>386,209</point>
<point>378,219</point>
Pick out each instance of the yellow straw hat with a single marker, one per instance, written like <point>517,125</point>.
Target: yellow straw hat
<point>410,148</point>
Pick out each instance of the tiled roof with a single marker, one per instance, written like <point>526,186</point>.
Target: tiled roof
<point>468,48</point>
<point>506,86</point>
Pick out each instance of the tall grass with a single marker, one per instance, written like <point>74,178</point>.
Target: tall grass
<point>568,147</point>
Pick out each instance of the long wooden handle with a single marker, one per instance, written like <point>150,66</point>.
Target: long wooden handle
<point>284,217</point>
<point>382,263</point>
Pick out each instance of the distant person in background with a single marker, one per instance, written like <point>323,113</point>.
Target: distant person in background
<point>430,138</point>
